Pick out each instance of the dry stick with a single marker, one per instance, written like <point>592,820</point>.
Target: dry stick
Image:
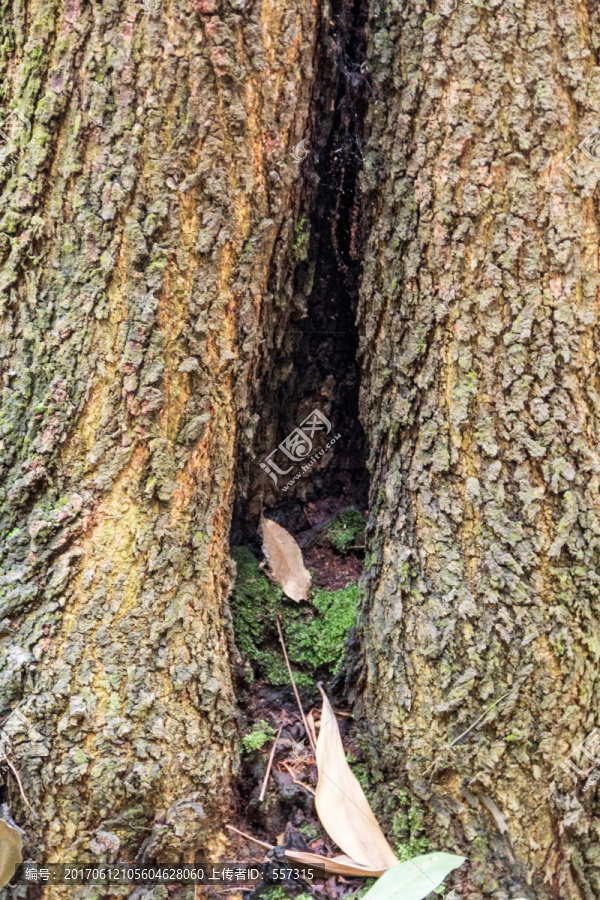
<point>470,728</point>
<point>477,721</point>
<point>289,668</point>
<point>306,787</point>
<point>263,789</point>
<point>16,774</point>
<point>250,838</point>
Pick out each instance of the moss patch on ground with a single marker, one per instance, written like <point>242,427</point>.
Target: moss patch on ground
<point>344,531</point>
<point>315,635</point>
<point>260,733</point>
<point>276,892</point>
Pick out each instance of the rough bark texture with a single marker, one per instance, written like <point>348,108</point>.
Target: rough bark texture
<point>483,419</point>
<point>147,244</point>
<point>138,232</point>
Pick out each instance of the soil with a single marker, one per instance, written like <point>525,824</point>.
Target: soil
<point>333,573</point>
<point>287,816</point>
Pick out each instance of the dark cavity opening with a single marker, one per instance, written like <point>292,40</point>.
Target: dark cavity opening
<point>306,395</point>
<point>315,366</point>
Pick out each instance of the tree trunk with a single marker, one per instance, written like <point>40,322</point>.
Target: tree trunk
<point>479,346</point>
<point>138,231</point>
<point>149,236</point>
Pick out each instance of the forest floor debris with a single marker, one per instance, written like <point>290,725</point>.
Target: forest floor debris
<point>297,785</point>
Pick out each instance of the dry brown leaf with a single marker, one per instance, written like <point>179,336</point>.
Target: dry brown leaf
<point>339,865</point>
<point>285,560</point>
<point>341,805</point>
<point>10,852</point>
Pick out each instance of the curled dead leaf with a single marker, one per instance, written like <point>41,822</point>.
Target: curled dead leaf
<point>338,865</point>
<point>285,560</point>
<point>499,820</point>
<point>341,805</point>
<point>11,844</point>
<point>498,817</point>
<point>310,721</point>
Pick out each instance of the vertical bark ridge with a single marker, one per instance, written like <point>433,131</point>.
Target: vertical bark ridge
<point>479,345</point>
<point>137,235</point>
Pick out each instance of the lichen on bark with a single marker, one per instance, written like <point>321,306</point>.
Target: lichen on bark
<point>138,231</point>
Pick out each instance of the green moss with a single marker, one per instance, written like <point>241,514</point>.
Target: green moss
<point>400,814</point>
<point>309,831</point>
<point>315,635</point>
<point>260,734</point>
<point>343,532</point>
<point>270,665</point>
<point>300,245</point>
<point>408,828</point>
<point>360,771</point>
<point>367,887</point>
<point>254,604</point>
<point>277,892</point>
<point>274,893</point>
<point>318,641</point>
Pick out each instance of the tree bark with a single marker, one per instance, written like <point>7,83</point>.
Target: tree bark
<point>479,345</point>
<point>146,252</point>
<point>138,232</point>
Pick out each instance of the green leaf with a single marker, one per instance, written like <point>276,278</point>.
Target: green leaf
<point>415,878</point>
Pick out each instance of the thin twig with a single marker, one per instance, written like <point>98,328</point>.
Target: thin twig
<point>250,838</point>
<point>289,668</point>
<point>477,721</point>
<point>263,789</point>
<point>295,780</point>
<point>469,729</point>
<point>311,724</point>
<point>16,774</point>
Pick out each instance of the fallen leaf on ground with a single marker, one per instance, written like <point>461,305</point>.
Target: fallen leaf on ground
<point>414,879</point>
<point>341,805</point>
<point>285,560</point>
<point>338,865</point>
<point>10,852</point>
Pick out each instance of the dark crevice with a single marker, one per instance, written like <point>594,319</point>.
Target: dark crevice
<point>314,366</point>
<point>308,364</point>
